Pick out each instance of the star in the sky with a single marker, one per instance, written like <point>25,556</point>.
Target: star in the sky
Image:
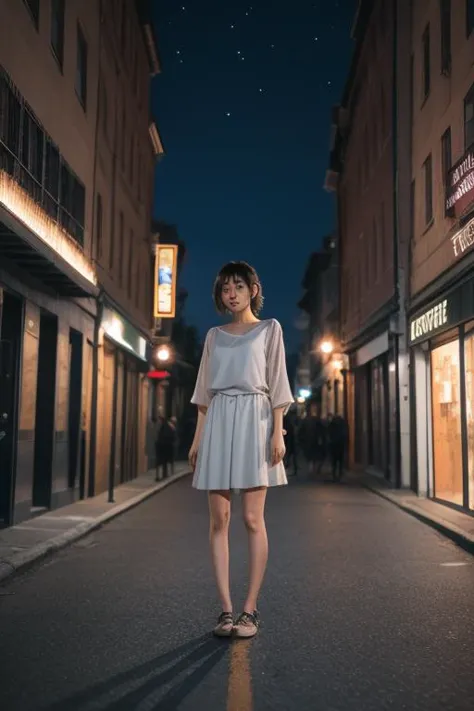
<point>232,27</point>
<point>228,113</point>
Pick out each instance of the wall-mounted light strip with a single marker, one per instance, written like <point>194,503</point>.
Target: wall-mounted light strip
<point>18,202</point>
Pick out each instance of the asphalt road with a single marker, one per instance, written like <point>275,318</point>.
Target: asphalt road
<point>364,609</point>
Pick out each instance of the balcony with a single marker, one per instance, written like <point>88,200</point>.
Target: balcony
<point>42,202</point>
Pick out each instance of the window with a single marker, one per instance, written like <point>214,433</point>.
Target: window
<point>81,68</point>
<point>121,248</point>
<point>469,119</point>
<point>426,62</point>
<point>132,158</point>
<point>428,171</point>
<point>446,418</point>
<point>469,16</point>
<point>33,7</point>
<point>73,199</point>
<point>104,109</point>
<point>137,286</point>
<point>130,264</point>
<point>57,29</point>
<point>445,12</point>
<point>98,225</point>
<point>375,250</point>
<point>446,154</point>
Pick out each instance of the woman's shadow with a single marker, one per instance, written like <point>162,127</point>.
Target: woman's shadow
<point>204,651</point>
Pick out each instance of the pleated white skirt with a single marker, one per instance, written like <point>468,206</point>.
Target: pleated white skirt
<point>235,445</point>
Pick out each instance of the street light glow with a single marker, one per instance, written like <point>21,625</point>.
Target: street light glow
<point>327,347</point>
<point>337,364</point>
<point>163,354</point>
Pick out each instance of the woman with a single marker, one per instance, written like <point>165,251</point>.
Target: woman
<point>242,392</point>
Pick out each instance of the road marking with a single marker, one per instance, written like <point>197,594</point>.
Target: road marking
<point>453,565</point>
<point>239,686</point>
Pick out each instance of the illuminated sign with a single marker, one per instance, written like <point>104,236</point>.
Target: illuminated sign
<point>460,187</point>
<point>432,320</point>
<point>166,266</point>
<point>123,333</point>
<point>464,239</point>
<point>18,202</point>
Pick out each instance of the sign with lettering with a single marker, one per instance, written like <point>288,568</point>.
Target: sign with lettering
<point>460,184</point>
<point>463,239</point>
<point>433,320</point>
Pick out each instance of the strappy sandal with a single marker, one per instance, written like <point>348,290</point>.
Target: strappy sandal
<point>225,625</point>
<point>247,625</point>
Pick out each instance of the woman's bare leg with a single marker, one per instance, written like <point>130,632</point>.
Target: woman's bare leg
<point>219,513</point>
<point>253,508</point>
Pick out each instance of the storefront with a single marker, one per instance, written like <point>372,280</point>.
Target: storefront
<point>122,402</point>
<point>442,360</point>
<point>372,407</point>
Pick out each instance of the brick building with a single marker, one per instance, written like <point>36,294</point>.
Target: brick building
<point>364,172</point>
<point>77,154</point>
<point>442,259</point>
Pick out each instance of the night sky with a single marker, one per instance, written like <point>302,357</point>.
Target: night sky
<point>243,108</point>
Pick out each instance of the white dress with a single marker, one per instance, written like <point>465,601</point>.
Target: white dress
<point>241,380</point>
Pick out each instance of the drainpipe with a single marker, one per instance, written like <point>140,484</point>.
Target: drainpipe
<point>94,394</point>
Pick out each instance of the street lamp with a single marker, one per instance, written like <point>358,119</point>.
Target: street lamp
<point>327,347</point>
<point>163,354</point>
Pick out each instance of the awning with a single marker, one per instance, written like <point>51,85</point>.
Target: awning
<point>20,245</point>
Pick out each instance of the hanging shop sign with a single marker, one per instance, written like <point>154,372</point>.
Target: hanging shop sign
<point>119,330</point>
<point>166,267</point>
<point>463,240</point>
<point>460,184</point>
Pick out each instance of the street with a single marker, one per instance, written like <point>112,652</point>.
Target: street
<point>364,608</point>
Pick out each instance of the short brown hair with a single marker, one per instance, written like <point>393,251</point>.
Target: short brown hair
<point>243,271</point>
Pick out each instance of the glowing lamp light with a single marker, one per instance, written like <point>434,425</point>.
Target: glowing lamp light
<point>301,400</point>
<point>304,393</point>
<point>163,354</point>
<point>337,364</point>
<point>19,203</point>
<point>327,347</point>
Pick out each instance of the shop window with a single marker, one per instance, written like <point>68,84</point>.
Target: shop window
<point>446,414</point>
<point>469,367</point>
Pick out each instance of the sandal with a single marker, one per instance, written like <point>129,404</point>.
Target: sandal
<point>225,625</point>
<point>247,625</point>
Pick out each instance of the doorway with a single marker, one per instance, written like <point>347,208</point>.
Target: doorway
<point>45,411</point>
<point>11,328</point>
<point>75,405</point>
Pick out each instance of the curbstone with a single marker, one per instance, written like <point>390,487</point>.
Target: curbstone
<point>10,565</point>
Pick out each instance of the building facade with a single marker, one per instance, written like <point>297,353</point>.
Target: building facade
<point>364,174</point>
<point>441,311</point>
<point>322,373</point>
<point>73,337</point>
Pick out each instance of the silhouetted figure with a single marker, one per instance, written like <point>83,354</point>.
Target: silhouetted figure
<point>312,436</point>
<point>290,442</point>
<point>165,448</point>
<point>337,436</point>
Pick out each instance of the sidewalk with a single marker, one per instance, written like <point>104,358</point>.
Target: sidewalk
<point>457,526</point>
<point>32,540</point>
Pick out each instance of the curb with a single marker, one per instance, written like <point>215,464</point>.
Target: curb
<point>20,561</point>
<point>451,531</point>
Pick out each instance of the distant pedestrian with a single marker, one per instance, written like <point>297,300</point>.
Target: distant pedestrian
<point>312,436</point>
<point>337,435</point>
<point>165,446</point>
<point>242,393</point>
<point>289,425</point>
